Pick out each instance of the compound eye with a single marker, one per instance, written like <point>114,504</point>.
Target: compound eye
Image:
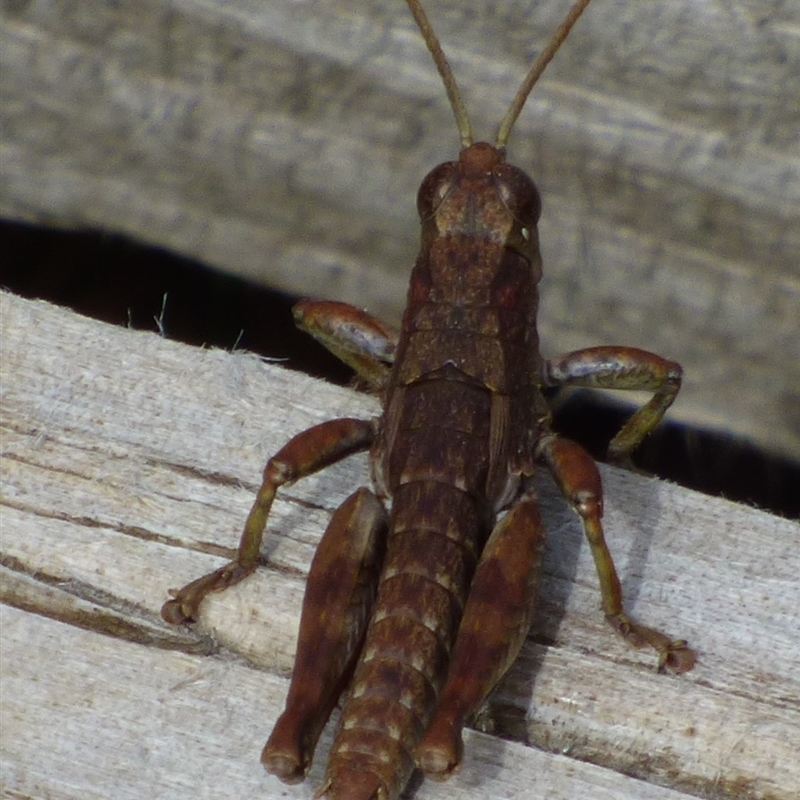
<point>519,194</point>
<point>434,188</point>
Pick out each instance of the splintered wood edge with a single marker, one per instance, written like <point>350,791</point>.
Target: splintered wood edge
<point>110,438</point>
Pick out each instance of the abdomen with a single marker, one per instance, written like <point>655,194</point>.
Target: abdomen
<point>435,470</point>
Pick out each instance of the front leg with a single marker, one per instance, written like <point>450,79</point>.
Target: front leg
<point>309,451</point>
<point>356,338</point>
<point>579,480</point>
<point>621,368</point>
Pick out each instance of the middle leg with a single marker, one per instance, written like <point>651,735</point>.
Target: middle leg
<point>579,480</point>
<point>306,453</point>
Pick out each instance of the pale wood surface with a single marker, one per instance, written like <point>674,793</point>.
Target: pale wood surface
<point>286,140</point>
<point>129,464</point>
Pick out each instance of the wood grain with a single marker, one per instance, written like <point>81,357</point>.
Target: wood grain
<point>285,141</point>
<point>129,464</point>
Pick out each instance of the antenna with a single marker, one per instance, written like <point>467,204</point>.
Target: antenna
<point>454,96</point>
<point>449,80</point>
<point>534,73</point>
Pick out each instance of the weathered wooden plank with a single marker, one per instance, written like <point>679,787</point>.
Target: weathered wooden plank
<point>286,141</point>
<point>90,717</point>
<point>129,463</point>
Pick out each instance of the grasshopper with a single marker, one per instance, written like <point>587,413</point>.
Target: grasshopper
<point>415,613</point>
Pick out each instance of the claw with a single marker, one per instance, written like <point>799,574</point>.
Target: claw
<point>185,604</point>
<point>674,655</point>
<point>677,658</point>
<point>173,611</point>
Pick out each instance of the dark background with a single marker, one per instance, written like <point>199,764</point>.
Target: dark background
<point>118,281</point>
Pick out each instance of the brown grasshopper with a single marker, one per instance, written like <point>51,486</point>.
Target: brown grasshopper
<point>418,614</point>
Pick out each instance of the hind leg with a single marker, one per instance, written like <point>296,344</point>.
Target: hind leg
<point>336,608</point>
<point>496,619</point>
